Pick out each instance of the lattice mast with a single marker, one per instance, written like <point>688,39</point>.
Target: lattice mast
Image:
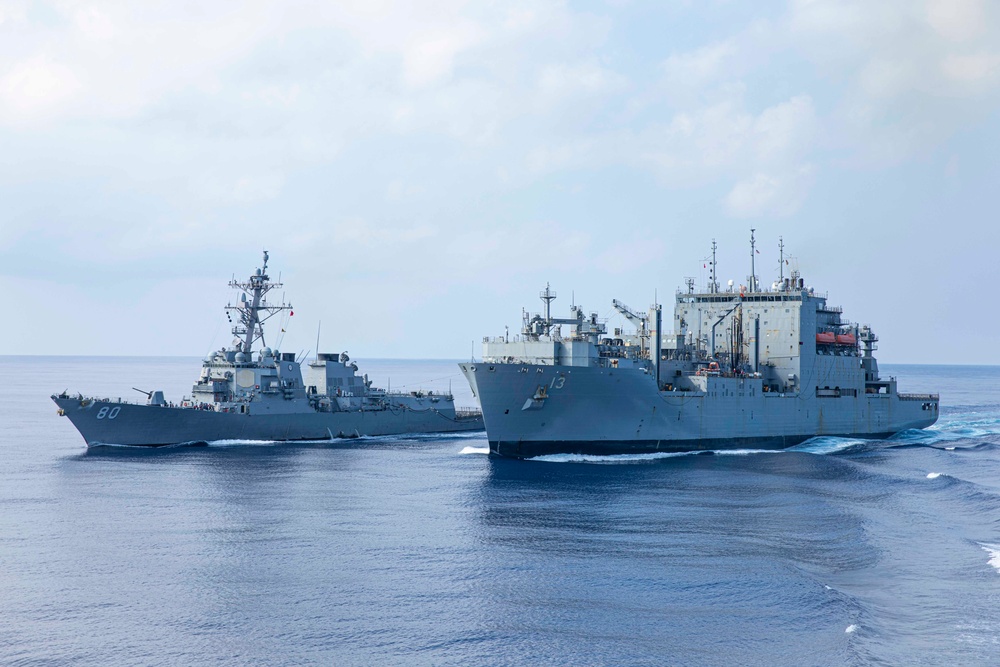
<point>252,309</point>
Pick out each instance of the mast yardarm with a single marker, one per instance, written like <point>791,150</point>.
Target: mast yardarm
<point>253,310</point>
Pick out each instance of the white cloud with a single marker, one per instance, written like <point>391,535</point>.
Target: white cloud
<point>35,89</point>
<point>785,130</point>
<point>913,73</point>
<point>770,194</point>
<point>360,232</point>
<point>624,257</point>
<point>393,145</point>
<point>957,20</point>
<point>563,82</point>
<point>696,69</point>
<point>429,58</point>
<point>977,68</point>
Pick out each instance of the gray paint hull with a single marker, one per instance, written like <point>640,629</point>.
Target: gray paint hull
<point>143,425</point>
<point>592,410</point>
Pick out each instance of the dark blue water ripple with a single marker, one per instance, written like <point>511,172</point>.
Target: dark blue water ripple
<point>422,550</point>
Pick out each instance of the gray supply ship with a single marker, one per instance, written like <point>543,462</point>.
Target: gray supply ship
<point>262,395</point>
<point>746,367</point>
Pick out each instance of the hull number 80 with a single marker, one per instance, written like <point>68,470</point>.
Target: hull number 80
<point>110,413</point>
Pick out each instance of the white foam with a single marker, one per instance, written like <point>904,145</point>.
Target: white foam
<point>851,628</point>
<point>994,551</point>
<point>962,429</point>
<point>610,458</point>
<point>223,443</point>
<point>640,458</point>
<point>949,449</point>
<point>267,443</point>
<point>933,475</point>
<point>826,445</point>
<point>475,450</point>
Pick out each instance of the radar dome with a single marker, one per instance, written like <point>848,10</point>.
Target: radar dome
<point>240,358</point>
<point>258,272</point>
<point>267,352</point>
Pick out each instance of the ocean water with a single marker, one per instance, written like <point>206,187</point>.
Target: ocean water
<point>424,551</point>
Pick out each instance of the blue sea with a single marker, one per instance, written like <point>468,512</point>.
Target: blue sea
<point>425,551</point>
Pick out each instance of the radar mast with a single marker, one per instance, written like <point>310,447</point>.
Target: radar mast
<point>547,296</point>
<point>252,309</point>
<point>781,261</point>
<point>713,285</point>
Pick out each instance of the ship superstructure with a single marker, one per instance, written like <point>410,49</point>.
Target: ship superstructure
<point>251,392</point>
<point>744,366</point>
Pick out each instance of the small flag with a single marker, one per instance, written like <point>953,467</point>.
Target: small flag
<point>758,252</point>
<point>282,331</point>
<point>704,266</point>
<point>291,312</point>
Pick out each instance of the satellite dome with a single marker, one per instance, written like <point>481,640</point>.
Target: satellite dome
<point>240,357</point>
<point>267,352</point>
<point>258,272</point>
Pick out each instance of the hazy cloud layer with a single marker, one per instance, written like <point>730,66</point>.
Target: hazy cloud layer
<point>418,170</point>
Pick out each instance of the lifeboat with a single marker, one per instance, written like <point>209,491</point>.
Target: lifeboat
<point>826,338</point>
<point>713,369</point>
<point>846,339</point>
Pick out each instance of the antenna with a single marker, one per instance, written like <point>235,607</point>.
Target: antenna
<point>753,260</point>
<point>547,296</point>
<point>713,286</point>
<point>253,309</point>
<point>781,260</point>
<point>318,327</point>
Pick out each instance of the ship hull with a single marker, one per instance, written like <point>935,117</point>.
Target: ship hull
<point>533,410</point>
<point>155,426</point>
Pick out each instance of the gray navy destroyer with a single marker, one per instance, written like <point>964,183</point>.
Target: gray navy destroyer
<point>743,367</point>
<point>243,394</point>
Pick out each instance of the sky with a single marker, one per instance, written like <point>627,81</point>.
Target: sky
<point>418,171</point>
